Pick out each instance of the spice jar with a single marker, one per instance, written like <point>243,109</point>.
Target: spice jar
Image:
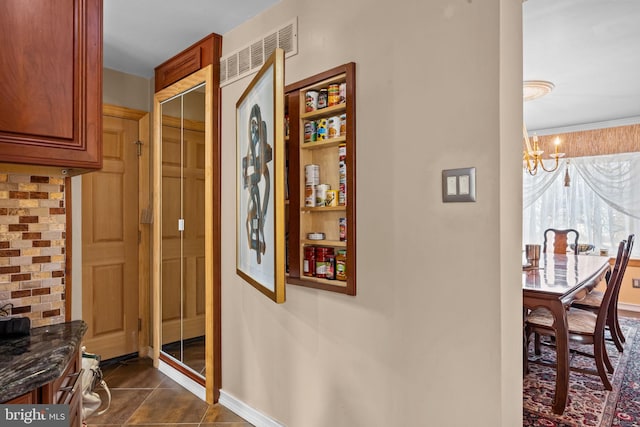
<point>342,229</point>
<point>331,267</point>
<point>341,265</point>
<point>309,261</point>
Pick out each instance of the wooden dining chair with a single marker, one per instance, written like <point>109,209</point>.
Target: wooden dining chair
<point>560,239</point>
<point>585,327</point>
<point>593,300</point>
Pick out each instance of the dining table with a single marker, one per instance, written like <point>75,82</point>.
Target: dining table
<point>554,283</point>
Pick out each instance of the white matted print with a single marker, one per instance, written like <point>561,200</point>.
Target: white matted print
<point>260,180</point>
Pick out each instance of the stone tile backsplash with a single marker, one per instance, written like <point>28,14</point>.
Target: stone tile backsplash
<point>32,247</point>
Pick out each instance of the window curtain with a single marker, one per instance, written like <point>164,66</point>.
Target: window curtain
<point>602,201</point>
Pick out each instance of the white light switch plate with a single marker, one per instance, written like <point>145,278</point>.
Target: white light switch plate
<point>459,185</point>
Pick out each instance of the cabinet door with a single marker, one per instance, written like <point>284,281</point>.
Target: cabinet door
<point>25,399</point>
<point>321,234</point>
<point>51,74</point>
<point>190,60</point>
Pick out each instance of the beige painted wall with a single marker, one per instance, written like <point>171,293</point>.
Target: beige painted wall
<point>127,90</point>
<point>433,336</point>
<point>629,298</point>
<point>628,294</point>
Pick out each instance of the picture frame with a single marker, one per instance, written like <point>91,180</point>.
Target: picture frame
<point>260,169</point>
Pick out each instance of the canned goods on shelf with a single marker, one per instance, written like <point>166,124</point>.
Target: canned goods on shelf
<point>342,229</point>
<point>334,127</point>
<point>310,132</point>
<point>315,236</point>
<point>312,174</point>
<point>343,124</point>
<point>309,261</point>
<point>323,98</point>
<point>342,93</point>
<point>321,194</point>
<point>334,94</point>
<point>310,196</point>
<point>342,175</point>
<point>321,129</point>
<point>322,254</point>
<point>311,101</point>
<point>332,198</point>
<point>330,270</point>
<point>341,265</point>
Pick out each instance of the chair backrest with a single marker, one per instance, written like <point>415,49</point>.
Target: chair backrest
<point>613,285</point>
<point>613,305</point>
<point>560,239</point>
<point>628,249</point>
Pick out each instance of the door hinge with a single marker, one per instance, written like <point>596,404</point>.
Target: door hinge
<point>139,325</point>
<point>139,147</point>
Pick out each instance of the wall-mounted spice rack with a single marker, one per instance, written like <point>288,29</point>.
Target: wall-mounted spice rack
<point>332,148</point>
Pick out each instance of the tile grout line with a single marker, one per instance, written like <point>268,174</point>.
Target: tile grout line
<point>143,401</point>
<point>139,405</point>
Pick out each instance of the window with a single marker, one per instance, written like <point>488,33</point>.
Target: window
<point>602,200</point>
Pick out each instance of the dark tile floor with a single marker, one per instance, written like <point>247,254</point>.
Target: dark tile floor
<point>144,396</point>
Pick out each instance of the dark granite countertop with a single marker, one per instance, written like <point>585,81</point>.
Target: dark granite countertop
<point>31,361</point>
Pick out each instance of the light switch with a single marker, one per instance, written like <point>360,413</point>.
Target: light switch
<point>459,185</point>
<point>463,181</point>
<point>451,186</point>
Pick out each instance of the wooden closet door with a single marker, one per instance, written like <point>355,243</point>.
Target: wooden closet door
<point>110,244</point>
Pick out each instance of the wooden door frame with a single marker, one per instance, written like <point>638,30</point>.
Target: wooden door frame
<point>213,342</point>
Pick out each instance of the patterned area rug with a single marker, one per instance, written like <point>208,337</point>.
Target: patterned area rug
<point>589,403</point>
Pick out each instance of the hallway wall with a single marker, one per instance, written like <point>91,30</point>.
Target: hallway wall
<point>432,337</point>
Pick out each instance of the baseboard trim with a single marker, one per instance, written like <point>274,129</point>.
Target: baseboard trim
<point>184,381</point>
<point>250,414</point>
<point>629,307</point>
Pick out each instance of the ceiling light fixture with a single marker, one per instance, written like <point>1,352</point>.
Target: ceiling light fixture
<point>532,154</point>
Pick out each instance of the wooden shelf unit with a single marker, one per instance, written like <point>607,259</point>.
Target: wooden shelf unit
<point>303,219</point>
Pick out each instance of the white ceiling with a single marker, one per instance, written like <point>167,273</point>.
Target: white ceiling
<point>141,34</point>
<point>590,49</point>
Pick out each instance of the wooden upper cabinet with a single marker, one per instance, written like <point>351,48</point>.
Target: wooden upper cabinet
<point>51,74</point>
<point>195,57</point>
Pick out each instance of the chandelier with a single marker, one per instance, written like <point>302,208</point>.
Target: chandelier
<point>532,154</point>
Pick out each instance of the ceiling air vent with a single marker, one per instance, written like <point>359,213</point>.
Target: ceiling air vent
<point>232,66</point>
<point>223,71</point>
<point>244,63</point>
<point>250,58</point>
<point>270,44</point>
<point>286,38</point>
<point>257,55</point>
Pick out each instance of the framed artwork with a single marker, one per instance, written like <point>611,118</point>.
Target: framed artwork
<point>260,157</point>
